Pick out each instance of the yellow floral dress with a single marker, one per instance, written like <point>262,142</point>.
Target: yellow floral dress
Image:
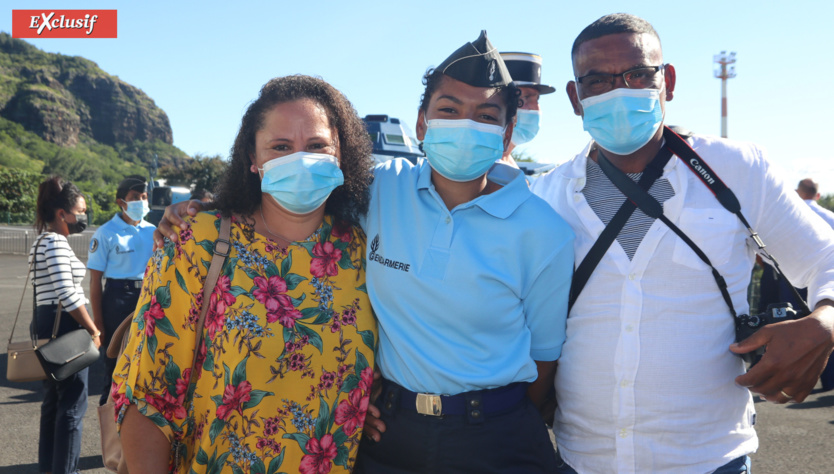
<point>285,366</point>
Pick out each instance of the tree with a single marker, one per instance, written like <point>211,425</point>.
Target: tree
<point>827,202</point>
<point>18,195</point>
<point>203,172</point>
<point>522,155</point>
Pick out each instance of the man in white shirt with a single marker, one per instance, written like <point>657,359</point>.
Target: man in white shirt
<point>648,380</point>
<point>808,190</point>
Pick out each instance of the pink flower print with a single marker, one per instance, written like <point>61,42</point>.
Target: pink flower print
<point>119,399</point>
<point>296,361</point>
<point>186,234</point>
<point>366,379</point>
<point>233,399</point>
<point>285,315</point>
<point>335,326</point>
<point>322,453</point>
<point>351,412</point>
<point>170,407</point>
<point>349,317</point>
<point>194,311</point>
<point>153,314</point>
<point>182,383</point>
<point>325,261</point>
<point>221,298</point>
<point>342,231</point>
<point>272,293</point>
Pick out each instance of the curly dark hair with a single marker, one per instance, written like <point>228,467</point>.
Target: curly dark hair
<point>54,194</point>
<point>433,78</point>
<point>239,191</point>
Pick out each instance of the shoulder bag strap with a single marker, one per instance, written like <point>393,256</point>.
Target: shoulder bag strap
<point>725,196</point>
<point>222,247</point>
<point>583,272</point>
<point>654,209</point>
<point>25,284</point>
<point>57,323</point>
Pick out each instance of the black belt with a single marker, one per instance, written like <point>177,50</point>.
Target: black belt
<point>475,404</point>
<point>124,284</point>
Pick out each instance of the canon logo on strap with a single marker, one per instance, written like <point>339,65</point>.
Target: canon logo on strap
<point>696,165</point>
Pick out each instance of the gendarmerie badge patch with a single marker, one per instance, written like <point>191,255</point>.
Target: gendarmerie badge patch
<point>93,245</point>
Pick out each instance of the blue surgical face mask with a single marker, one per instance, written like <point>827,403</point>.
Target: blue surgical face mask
<point>462,150</point>
<point>136,210</point>
<point>623,120</point>
<point>526,126</point>
<point>302,181</point>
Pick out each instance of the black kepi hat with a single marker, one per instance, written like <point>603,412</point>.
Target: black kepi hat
<point>131,183</point>
<point>477,63</point>
<point>526,70</point>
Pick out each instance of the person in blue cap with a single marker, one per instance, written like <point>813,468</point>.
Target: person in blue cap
<point>469,326</point>
<point>119,252</point>
<point>526,72</point>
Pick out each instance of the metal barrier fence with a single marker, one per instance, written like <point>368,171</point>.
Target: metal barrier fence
<point>16,240</point>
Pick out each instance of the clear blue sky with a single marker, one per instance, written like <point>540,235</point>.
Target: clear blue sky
<point>203,62</point>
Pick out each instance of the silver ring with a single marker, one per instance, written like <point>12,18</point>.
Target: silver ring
<point>785,394</point>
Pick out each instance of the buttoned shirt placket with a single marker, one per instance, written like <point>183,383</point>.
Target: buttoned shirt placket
<point>627,361</point>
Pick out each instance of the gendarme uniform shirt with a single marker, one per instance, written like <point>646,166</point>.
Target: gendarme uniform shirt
<point>466,299</point>
<point>121,250</point>
<point>646,378</point>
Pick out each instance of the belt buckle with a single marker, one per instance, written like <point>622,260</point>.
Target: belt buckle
<point>429,404</point>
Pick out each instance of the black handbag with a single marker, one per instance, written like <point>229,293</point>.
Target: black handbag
<point>67,355</point>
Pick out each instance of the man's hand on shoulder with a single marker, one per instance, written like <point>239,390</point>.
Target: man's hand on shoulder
<point>796,354</point>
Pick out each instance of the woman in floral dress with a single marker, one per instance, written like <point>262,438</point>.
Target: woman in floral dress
<point>285,363</point>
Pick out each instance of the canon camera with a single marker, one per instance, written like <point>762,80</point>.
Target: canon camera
<point>747,324</point>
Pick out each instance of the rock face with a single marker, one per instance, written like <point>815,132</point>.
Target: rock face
<point>61,98</point>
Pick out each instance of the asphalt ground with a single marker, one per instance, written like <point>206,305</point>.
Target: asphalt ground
<point>794,438</point>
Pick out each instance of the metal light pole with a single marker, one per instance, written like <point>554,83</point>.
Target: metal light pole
<point>726,70</point>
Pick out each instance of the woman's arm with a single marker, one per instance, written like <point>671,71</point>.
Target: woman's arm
<point>145,448</point>
<point>58,258</point>
<point>95,298</point>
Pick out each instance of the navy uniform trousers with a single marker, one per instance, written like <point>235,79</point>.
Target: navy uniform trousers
<point>117,302</point>
<point>506,441</point>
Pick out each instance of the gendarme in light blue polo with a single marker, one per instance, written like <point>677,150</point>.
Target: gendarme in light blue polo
<point>120,250</point>
<point>467,299</point>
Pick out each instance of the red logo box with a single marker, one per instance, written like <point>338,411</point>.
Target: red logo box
<point>64,23</point>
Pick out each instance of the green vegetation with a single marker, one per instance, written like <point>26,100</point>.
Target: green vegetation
<point>523,156</point>
<point>203,172</point>
<point>63,115</point>
<point>95,168</point>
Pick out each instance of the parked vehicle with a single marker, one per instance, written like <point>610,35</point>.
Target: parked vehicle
<point>162,196</point>
<point>391,139</point>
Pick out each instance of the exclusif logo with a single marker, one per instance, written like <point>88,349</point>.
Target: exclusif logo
<point>64,23</point>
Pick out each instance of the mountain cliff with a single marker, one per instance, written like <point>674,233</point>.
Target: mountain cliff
<point>70,102</point>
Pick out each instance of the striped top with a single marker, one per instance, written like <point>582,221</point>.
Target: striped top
<point>58,272</point>
<point>605,199</point>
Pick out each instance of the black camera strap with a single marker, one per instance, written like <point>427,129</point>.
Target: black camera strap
<point>725,196</point>
<point>583,272</point>
<point>654,209</point>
